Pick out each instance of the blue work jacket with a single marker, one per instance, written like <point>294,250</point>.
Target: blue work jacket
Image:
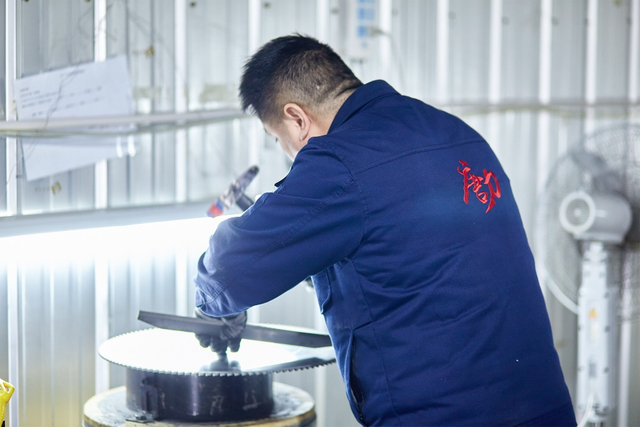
<point>406,221</point>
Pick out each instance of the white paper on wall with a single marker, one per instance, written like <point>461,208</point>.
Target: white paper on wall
<point>85,90</point>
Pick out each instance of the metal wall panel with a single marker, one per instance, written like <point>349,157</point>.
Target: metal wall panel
<point>414,48</point>
<point>568,47</point>
<point>493,57</point>
<point>143,31</point>
<point>469,44</point>
<point>3,149</point>
<point>142,280</point>
<point>285,17</point>
<point>51,35</point>
<point>215,54</point>
<point>613,48</point>
<point>4,332</point>
<point>520,46</point>
<point>56,375</point>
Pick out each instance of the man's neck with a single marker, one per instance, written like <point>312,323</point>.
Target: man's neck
<point>325,121</point>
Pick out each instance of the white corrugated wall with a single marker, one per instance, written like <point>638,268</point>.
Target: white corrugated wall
<point>531,75</point>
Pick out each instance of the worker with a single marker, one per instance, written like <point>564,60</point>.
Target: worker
<point>407,224</point>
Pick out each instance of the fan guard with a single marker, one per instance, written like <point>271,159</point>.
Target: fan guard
<point>605,161</point>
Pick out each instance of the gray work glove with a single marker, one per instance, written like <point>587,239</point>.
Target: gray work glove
<point>229,335</point>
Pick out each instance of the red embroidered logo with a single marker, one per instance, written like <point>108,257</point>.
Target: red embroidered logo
<point>476,182</point>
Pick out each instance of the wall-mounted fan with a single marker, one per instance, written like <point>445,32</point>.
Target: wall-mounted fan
<point>588,245</point>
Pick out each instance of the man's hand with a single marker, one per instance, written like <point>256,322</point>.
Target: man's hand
<point>229,335</point>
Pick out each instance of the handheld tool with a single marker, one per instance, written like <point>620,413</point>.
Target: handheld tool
<point>235,194</point>
<point>274,334</point>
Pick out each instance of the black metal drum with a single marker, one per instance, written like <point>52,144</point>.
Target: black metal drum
<point>199,398</point>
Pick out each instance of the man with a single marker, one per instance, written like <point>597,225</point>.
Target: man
<point>407,224</point>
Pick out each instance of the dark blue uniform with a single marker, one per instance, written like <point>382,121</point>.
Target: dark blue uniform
<point>406,221</point>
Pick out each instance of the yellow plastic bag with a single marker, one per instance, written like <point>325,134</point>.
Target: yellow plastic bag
<point>6,390</point>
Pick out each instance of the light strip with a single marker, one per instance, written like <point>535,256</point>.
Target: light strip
<point>19,252</point>
<point>100,218</point>
<point>118,240</point>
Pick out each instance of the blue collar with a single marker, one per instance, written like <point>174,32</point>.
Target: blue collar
<point>363,96</point>
<point>360,98</point>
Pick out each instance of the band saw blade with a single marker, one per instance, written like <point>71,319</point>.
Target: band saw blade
<point>179,353</point>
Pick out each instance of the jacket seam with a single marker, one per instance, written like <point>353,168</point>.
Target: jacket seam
<point>365,214</point>
<point>373,325</point>
<point>418,150</point>
<point>386,375</point>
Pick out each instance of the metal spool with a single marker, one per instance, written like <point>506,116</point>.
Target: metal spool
<point>199,398</point>
<point>292,408</point>
<point>169,376</point>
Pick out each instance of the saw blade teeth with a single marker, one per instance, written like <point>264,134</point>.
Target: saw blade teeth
<point>179,353</point>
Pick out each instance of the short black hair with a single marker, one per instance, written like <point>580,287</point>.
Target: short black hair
<point>294,68</point>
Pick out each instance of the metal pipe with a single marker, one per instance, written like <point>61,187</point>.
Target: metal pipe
<point>322,20</point>
<point>119,120</point>
<point>11,193</point>
<point>13,335</point>
<point>507,104</point>
<point>255,131</point>
<point>495,52</point>
<point>591,66</point>
<point>495,73</point>
<point>100,183</point>
<point>227,114</point>
<point>544,97</point>
<point>385,20</point>
<point>11,146</point>
<point>627,297</point>
<point>180,88</point>
<point>101,200</point>
<point>101,320</point>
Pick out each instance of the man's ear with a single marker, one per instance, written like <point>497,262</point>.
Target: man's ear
<point>298,119</point>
